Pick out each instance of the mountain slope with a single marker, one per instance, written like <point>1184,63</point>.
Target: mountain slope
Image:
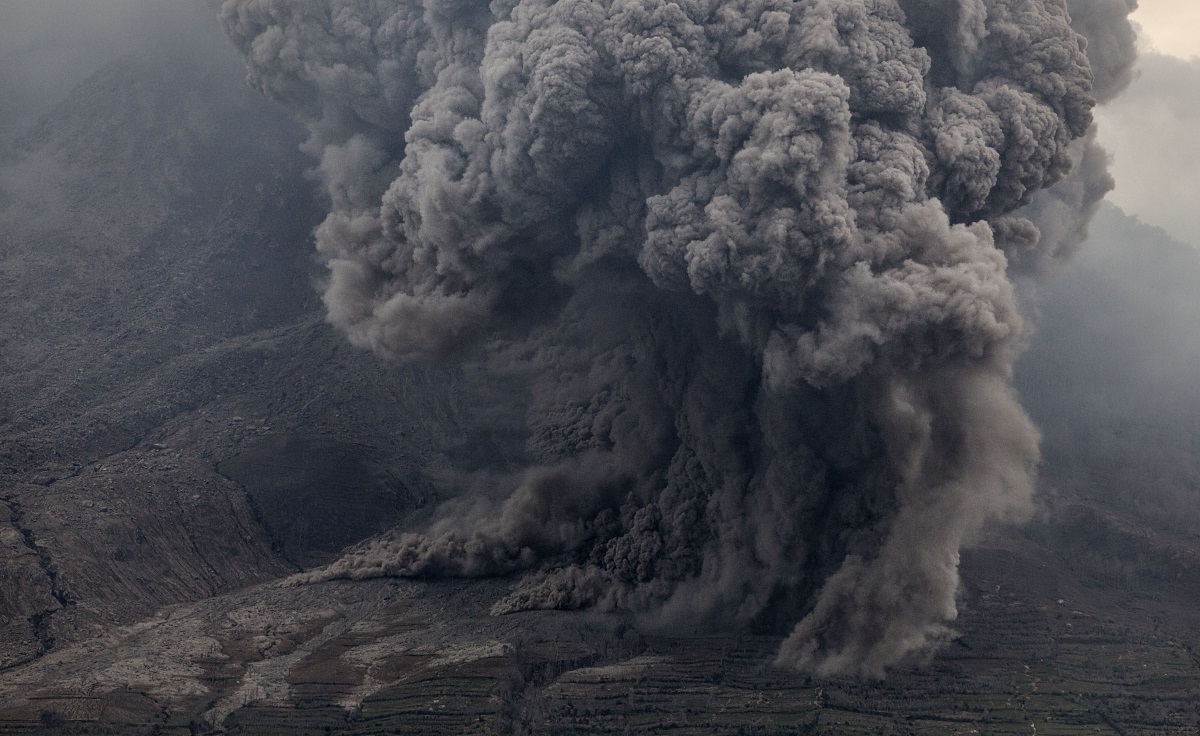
<point>163,355</point>
<point>179,431</point>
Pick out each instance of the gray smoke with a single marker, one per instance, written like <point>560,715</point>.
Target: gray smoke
<point>749,259</point>
<point>1043,236</point>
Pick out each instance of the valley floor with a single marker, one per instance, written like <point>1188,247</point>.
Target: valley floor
<point>1038,653</point>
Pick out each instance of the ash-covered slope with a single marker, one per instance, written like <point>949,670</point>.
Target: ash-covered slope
<point>175,418</point>
<point>176,421</point>
<point>1086,624</point>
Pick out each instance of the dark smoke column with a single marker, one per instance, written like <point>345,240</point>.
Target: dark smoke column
<point>749,259</point>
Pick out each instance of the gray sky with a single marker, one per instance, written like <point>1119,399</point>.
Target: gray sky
<point>49,46</point>
<point>1152,130</point>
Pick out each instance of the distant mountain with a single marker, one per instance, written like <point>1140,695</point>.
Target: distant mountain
<point>180,431</point>
<point>1113,380</point>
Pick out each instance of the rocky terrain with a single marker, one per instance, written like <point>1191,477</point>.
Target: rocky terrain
<point>180,432</point>
<point>1038,653</point>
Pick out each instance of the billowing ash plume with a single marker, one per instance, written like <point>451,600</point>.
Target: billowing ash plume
<point>1051,229</point>
<point>749,258</point>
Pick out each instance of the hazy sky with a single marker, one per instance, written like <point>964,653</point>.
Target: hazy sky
<point>49,46</point>
<point>1170,26</point>
<point>1153,130</point>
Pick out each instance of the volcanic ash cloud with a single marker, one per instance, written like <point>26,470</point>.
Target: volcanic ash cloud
<point>748,260</point>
